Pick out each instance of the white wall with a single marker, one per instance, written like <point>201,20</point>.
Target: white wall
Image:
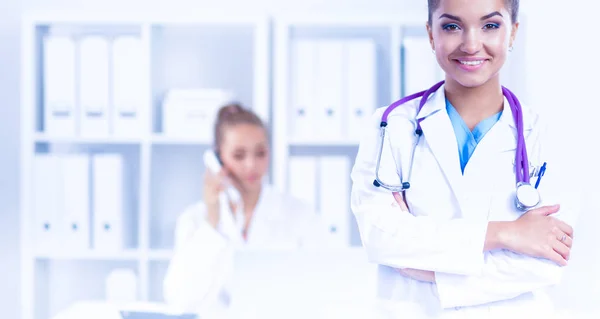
<point>563,77</point>
<point>9,157</point>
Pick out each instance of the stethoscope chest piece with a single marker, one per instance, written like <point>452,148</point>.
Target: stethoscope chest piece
<point>527,196</point>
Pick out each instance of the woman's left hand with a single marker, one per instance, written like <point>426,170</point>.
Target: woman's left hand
<point>416,274</point>
<point>400,202</point>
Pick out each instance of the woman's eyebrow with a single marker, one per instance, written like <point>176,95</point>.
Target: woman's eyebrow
<point>485,17</point>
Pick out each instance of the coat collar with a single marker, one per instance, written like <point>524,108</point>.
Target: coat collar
<point>436,102</point>
<point>441,140</point>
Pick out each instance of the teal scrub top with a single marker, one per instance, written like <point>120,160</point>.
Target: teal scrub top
<point>466,139</point>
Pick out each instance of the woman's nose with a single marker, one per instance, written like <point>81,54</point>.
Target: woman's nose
<point>250,162</point>
<point>471,42</point>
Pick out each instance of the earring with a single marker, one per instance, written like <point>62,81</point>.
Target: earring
<point>510,49</point>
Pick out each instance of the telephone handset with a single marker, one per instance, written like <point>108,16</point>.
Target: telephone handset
<point>212,162</point>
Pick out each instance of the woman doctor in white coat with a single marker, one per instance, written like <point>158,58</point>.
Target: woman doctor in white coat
<point>199,274</point>
<point>452,242</point>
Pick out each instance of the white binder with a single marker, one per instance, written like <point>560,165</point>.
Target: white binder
<point>329,87</point>
<point>108,202</point>
<point>46,203</point>
<point>75,187</point>
<point>59,86</point>
<point>420,65</point>
<point>302,181</point>
<point>334,192</point>
<point>130,113</point>
<point>303,109</point>
<point>361,85</point>
<point>93,86</point>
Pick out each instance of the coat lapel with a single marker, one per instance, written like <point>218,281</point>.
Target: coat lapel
<point>502,137</point>
<point>441,140</point>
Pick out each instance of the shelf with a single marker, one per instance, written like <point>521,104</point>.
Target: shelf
<point>109,18</point>
<point>155,139</point>
<point>364,20</point>
<point>125,255</point>
<point>332,143</point>
<point>160,255</point>
<point>42,138</point>
<point>168,140</point>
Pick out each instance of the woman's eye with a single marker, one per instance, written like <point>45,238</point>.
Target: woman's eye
<point>491,26</point>
<point>261,154</point>
<point>451,27</point>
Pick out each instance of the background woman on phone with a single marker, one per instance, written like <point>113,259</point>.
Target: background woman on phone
<point>208,232</point>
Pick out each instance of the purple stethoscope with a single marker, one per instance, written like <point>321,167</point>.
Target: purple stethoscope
<point>526,197</point>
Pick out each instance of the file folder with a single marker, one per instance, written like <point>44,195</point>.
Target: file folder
<point>329,87</point>
<point>47,203</point>
<point>108,203</point>
<point>59,86</point>
<point>334,190</point>
<point>130,113</point>
<point>93,86</point>
<point>361,85</point>
<point>303,112</point>
<point>75,186</point>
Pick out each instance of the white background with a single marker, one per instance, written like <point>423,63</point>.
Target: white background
<point>561,71</point>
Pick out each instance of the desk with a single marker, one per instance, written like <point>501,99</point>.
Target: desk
<point>106,310</point>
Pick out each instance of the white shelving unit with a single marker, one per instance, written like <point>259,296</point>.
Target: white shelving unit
<point>385,32</point>
<point>182,51</point>
<point>247,54</point>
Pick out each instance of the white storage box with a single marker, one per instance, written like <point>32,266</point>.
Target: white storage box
<point>191,113</point>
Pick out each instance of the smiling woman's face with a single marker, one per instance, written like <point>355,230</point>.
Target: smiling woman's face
<point>471,39</point>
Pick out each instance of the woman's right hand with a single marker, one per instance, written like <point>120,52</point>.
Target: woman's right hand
<point>537,234</point>
<point>213,185</point>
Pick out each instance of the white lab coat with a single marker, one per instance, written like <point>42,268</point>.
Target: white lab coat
<point>198,279</point>
<point>446,227</point>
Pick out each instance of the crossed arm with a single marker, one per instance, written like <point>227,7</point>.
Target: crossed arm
<point>468,259</point>
<point>472,262</point>
<point>505,274</point>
